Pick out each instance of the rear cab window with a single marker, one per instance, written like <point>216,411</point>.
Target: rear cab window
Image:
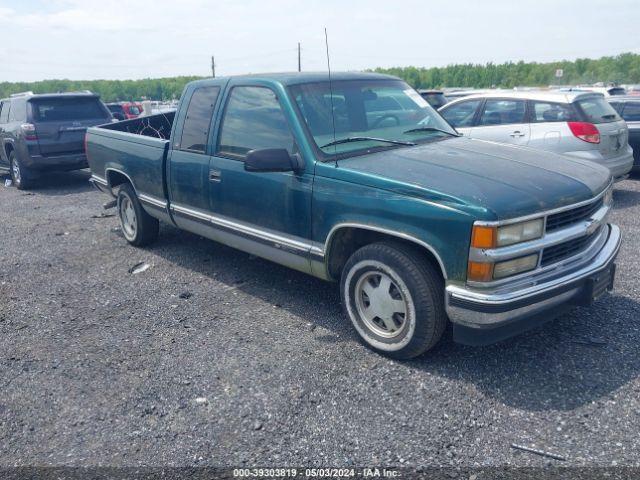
<point>597,110</point>
<point>64,109</point>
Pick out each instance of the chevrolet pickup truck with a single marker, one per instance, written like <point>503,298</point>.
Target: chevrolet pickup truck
<point>356,179</point>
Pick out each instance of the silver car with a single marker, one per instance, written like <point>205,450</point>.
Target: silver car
<point>580,124</point>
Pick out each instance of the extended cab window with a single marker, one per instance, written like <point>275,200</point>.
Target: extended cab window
<point>461,114</point>
<point>198,120</point>
<point>502,112</point>
<point>552,112</point>
<point>253,120</point>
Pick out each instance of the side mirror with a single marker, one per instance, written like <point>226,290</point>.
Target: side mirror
<point>272,160</point>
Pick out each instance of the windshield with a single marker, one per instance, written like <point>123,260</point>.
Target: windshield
<point>372,111</point>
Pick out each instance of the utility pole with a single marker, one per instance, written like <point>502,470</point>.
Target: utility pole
<point>213,66</point>
<point>299,63</point>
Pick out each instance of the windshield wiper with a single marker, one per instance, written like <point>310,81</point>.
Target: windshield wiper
<point>609,116</point>
<point>366,139</point>
<point>430,129</point>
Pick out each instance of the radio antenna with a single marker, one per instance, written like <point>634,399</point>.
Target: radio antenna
<point>333,120</point>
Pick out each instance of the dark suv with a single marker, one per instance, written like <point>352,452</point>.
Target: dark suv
<point>43,133</point>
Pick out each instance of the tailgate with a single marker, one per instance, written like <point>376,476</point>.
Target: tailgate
<point>614,137</point>
<point>61,122</point>
<point>63,138</point>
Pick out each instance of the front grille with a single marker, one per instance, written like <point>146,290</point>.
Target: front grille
<point>563,219</point>
<point>567,249</point>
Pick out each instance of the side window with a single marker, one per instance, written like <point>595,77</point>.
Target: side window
<point>4,112</point>
<point>631,112</point>
<point>198,120</point>
<point>502,112</point>
<point>552,112</point>
<point>253,120</point>
<point>18,111</point>
<point>461,114</point>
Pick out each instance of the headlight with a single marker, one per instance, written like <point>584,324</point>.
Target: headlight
<point>489,237</point>
<point>492,237</point>
<point>513,267</point>
<point>520,232</point>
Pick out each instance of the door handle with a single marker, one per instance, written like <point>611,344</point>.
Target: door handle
<point>517,134</point>
<point>215,175</point>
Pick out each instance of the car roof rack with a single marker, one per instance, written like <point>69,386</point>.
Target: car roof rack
<point>21,94</point>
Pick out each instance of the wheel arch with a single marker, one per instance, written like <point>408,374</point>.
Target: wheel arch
<point>344,239</point>
<point>117,177</point>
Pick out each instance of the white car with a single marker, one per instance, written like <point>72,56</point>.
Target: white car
<point>577,123</point>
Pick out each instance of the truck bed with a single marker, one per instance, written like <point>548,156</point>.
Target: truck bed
<point>134,148</point>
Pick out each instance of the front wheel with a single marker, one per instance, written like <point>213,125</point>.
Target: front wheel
<point>394,298</point>
<point>138,227</point>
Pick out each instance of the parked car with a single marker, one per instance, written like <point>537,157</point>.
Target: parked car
<point>629,109</point>
<point>574,123</point>
<point>436,98</point>
<point>610,91</point>
<point>125,110</point>
<point>418,225</point>
<point>117,110</point>
<point>43,133</point>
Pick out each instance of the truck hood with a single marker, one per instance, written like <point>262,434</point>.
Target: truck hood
<point>507,181</point>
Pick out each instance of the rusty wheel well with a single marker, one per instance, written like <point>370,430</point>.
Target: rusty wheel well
<point>347,240</point>
<point>115,178</point>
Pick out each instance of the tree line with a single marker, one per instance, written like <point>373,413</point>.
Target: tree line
<point>109,90</point>
<point>623,68</point>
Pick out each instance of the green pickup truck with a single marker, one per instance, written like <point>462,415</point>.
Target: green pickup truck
<point>356,179</point>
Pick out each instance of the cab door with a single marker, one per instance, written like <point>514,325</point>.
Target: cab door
<point>503,120</point>
<point>272,208</point>
<point>188,170</point>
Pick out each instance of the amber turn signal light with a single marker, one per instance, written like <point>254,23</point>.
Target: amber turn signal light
<point>484,237</point>
<point>480,272</point>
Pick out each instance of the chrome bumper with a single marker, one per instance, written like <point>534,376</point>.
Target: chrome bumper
<point>474,308</point>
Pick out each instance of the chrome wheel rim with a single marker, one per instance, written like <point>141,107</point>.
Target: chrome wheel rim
<point>381,304</point>
<point>128,217</point>
<point>15,169</point>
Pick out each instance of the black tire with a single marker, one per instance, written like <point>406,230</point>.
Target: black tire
<point>414,282</point>
<point>20,175</point>
<point>139,229</point>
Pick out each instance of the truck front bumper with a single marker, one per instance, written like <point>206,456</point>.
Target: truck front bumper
<point>481,318</point>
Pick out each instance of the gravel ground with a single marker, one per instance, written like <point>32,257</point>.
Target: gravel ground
<point>213,357</point>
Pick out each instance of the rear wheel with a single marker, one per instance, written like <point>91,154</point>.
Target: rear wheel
<point>139,228</point>
<point>19,173</point>
<point>394,298</point>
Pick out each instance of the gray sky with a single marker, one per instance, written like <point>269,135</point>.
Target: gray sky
<point>90,39</point>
